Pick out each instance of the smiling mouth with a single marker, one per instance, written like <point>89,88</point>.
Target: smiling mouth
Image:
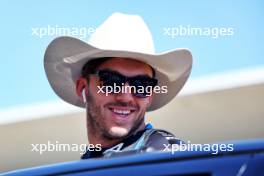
<point>121,112</point>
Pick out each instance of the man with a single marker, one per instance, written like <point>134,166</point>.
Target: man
<point>119,55</point>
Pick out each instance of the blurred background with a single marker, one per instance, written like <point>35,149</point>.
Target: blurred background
<point>222,101</point>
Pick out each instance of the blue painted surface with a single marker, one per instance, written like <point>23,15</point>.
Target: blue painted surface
<point>248,152</point>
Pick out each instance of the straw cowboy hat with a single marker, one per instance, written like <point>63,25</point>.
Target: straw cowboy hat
<point>120,35</point>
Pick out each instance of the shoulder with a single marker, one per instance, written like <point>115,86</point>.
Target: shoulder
<point>157,139</point>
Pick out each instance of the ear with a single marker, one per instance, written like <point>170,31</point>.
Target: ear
<point>81,85</point>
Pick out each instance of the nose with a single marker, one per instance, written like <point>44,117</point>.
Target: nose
<point>125,95</point>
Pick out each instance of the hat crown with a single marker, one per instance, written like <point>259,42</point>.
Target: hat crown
<point>123,32</point>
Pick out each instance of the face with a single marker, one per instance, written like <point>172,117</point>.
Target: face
<point>117,115</point>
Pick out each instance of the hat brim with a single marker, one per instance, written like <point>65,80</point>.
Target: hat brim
<point>65,57</point>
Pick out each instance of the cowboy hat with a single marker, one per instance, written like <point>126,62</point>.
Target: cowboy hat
<point>120,35</point>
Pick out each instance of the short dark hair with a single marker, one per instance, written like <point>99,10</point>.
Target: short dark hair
<point>91,66</point>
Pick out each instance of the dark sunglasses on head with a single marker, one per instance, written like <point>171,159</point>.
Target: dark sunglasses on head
<point>113,78</point>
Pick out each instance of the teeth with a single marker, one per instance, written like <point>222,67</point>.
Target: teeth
<point>123,112</point>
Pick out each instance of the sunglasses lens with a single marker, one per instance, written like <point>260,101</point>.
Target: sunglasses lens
<point>109,78</point>
<point>143,86</point>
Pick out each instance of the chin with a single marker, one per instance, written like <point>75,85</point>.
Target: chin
<point>117,131</point>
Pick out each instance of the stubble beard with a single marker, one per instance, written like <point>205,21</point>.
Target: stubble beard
<point>96,122</point>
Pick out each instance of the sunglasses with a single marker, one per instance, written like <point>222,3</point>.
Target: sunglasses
<point>141,83</point>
